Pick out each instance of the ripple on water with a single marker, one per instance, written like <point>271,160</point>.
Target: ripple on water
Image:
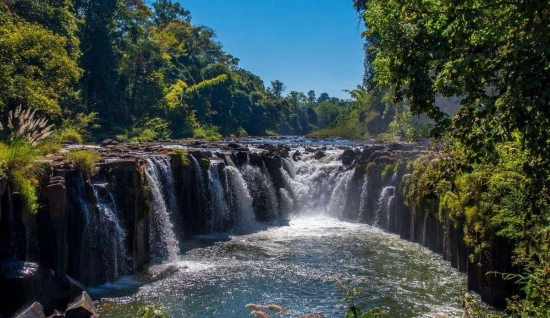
<point>296,266</point>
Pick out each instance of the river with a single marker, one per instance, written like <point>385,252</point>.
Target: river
<point>295,266</point>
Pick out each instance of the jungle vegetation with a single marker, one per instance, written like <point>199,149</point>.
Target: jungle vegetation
<point>491,171</point>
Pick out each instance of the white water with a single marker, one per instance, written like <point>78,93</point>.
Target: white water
<point>111,234</point>
<point>363,203</point>
<point>220,213</point>
<point>238,198</point>
<point>261,188</point>
<point>163,241</point>
<point>383,210</point>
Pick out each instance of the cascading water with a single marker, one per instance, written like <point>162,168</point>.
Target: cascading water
<point>111,234</point>
<point>364,199</point>
<point>286,263</point>
<point>163,241</point>
<point>383,211</point>
<point>312,186</point>
<point>238,197</point>
<point>261,188</point>
<point>218,206</point>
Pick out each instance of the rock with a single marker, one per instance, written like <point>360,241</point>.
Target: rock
<point>108,142</point>
<point>348,157</point>
<point>56,314</point>
<point>297,155</point>
<point>384,160</point>
<point>283,152</point>
<point>25,282</point>
<point>81,307</point>
<point>255,159</point>
<point>320,154</point>
<point>234,145</point>
<point>34,311</point>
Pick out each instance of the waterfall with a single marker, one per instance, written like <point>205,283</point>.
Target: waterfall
<point>261,188</point>
<point>238,197</point>
<point>111,234</point>
<point>363,201</point>
<point>383,211</point>
<point>340,194</point>
<point>220,213</point>
<point>163,241</point>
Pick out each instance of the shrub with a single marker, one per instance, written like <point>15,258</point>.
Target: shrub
<point>19,164</point>
<point>241,132</point>
<point>184,159</point>
<point>207,132</point>
<point>159,127</point>
<point>83,160</point>
<point>68,135</point>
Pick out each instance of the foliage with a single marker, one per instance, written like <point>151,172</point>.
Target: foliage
<point>22,125</point>
<point>37,68</point>
<point>183,155</point>
<point>152,312</point>
<point>207,132</point>
<point>19,163</point>
<point>83,160</point>
<point>353,310</point>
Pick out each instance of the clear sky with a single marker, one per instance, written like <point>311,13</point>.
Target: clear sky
<point>306,44</point>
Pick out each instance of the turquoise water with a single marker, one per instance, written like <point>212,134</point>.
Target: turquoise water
<point>295,266</point>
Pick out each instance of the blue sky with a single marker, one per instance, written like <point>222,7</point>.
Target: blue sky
<point>313,44</point>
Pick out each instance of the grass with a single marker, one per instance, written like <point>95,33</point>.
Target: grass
<point>184,159</point>
<point>83,160</point>
<point>19,164</point>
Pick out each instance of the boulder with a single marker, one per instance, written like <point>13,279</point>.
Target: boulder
<point>348,157</point>
<point>297,155</point>
<point>234,145</point>
<point>108,142</point>
<point>320,154</point>
<point>34,311</point>
<point>81,307</point>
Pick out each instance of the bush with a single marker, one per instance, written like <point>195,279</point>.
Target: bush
<point>183,156</point>
<point>159,127</point>
<point>68,135</point>
<point>208,132</point>
<point>19,164</point>
<point>83,160</point>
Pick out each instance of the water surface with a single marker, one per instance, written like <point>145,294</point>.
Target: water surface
<point>295,266</point>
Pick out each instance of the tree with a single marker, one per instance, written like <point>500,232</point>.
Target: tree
<point>326,112</point>
<point>277,88</point>
<point>311,96</point>
<point>323,97</point>
<point>36,69</point>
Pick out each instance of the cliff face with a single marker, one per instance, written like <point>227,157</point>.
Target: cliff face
<point>94,230</point>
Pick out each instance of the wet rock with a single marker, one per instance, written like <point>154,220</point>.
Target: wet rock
<point>297,155</point>
<point>320,154</point>
<point>234,145</point>
<point>34,311</point>
<point>348,157</point>
<point>81,307</point>
<point>255,159</point>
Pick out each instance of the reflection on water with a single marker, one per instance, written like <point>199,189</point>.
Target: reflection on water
<point>294,266</point>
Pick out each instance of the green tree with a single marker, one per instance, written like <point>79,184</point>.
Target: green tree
<point>36,69</point>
